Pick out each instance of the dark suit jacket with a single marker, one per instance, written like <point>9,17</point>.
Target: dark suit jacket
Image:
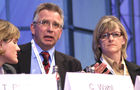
<point>8,69</point>
<point>64,62</point>
<point>133,70</point>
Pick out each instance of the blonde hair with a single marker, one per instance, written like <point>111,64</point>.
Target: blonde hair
<point>8,32</point>
<point>109,23</point>
<point>50,7</point>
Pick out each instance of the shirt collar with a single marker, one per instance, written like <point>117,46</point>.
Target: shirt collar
<point>112,62</point>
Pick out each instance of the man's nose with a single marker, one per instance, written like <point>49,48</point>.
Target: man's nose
<point>50,28</point>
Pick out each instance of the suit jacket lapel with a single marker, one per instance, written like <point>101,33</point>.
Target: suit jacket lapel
<point>59,60</point>
<point>133,70</point>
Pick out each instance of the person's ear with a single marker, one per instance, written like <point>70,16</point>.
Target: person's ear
<point>32,27</point>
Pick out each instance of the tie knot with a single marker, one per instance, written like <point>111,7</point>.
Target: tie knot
<point>45,54</point>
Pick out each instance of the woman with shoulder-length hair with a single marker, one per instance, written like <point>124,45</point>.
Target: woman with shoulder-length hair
<point>109,47</point>
<point>9,35</point>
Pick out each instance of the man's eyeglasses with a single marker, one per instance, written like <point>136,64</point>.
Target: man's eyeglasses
<point>47,23</point>
<point>114,34</point>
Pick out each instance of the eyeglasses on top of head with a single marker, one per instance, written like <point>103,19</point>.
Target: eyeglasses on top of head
<point>47,23</point>
<point>114,35</point>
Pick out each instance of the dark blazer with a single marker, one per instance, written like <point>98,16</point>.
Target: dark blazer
<point>133,69</point>
<point>8,69</point>
<point>64,62</point>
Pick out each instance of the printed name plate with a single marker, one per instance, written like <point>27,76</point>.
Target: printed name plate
<point>137,83</point>
<point>27,82</point>
<point>90,81</point>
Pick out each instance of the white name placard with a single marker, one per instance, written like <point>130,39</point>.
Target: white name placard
<point>91,81</point>
<point>28,82</point>
<point>137,83</point>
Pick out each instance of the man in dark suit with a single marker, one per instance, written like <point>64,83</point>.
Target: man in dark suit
<point>46,30</point>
